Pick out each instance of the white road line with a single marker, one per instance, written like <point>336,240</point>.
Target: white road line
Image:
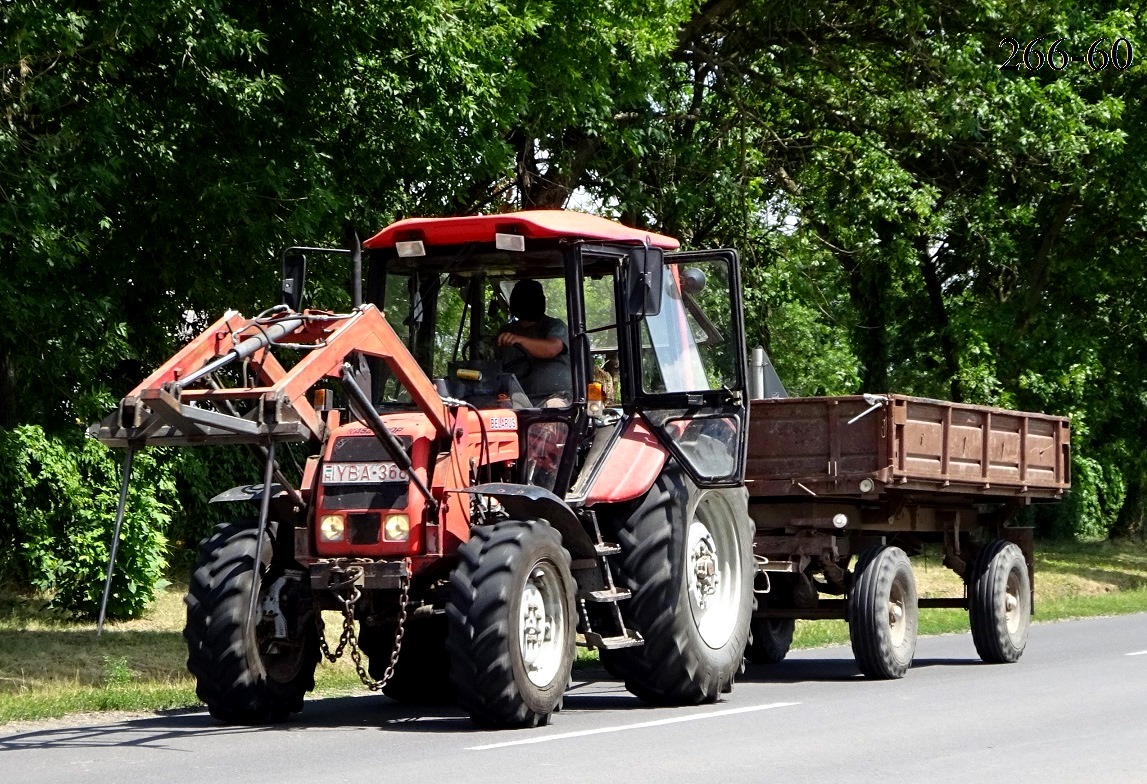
<point>1137,653</point>
<point>640,725</point>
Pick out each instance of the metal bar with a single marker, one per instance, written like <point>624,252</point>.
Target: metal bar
<point>268,335</point>
<point>986,451</point>
<point>128,458</point>
<point>259,448</point>
<point>264,513</point>
<point>191,420</point>
<point>393,448</point>
<point>949,602</point>
<point>945,442</point>
<point>757,374</point>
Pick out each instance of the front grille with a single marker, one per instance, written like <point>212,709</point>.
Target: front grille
<point>364,449</point>
<point>363,528</point>
<point>392,495</point>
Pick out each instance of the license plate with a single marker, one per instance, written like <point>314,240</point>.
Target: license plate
<point>362,473</point>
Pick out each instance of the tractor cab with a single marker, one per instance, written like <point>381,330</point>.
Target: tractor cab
<point>623,327</point>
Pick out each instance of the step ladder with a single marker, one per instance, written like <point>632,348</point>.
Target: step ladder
<point>621,637</point>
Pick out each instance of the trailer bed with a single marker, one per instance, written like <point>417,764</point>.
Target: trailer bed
<point>873,447</point>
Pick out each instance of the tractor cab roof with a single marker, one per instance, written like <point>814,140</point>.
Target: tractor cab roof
<point>531,224</point>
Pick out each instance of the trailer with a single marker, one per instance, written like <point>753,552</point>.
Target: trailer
<point>879,478</point>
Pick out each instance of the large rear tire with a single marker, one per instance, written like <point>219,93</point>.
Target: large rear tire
<point>512,622</point>
<point>244,673</point>
<point>687,559</point>
<point>999,602</point>
<point>883,613</point>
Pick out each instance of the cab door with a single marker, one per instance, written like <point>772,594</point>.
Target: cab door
<point>686,362</point>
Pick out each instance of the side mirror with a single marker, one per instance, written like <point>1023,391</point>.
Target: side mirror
<point>646,277</point>
<point>294,278</point>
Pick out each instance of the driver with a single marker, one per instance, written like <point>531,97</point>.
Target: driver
<point>535,347</point>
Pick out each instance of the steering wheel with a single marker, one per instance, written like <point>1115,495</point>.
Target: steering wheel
<point>521,366</point>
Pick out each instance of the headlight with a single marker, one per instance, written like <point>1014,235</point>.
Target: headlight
<point>332,528</point>
<point>396,528</point>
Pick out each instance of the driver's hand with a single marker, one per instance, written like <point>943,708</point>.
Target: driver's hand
<point>507,339</point>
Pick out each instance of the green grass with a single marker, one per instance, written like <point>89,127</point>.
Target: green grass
<point>51,667</point>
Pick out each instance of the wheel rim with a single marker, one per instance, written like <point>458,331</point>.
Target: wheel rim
<point>897,616</point>
<point>1013,613</point>
<point>713,575</point>
<point>541,624</point>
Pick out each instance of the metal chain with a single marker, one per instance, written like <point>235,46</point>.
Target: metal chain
<point>349,638</point>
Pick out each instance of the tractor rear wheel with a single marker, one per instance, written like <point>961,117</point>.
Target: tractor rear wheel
<point>687,559</point>
<point>247,673</point>
<point>512,622</point>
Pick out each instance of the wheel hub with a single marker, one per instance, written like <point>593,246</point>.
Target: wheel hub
<point>897,622</point>
<point>712,572</point>
<point>540,624</point>
<point>1012,613</point>
<point>706,578</point>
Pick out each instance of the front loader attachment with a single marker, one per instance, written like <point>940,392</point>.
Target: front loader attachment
<point>168,409</point>
<point>185,402</point>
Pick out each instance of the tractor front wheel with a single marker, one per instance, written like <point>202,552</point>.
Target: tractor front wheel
<point>248,672</point>
<point>512,622</point>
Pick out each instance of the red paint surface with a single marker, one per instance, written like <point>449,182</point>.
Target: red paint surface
<point>630,468</point>
<point>535,224</point>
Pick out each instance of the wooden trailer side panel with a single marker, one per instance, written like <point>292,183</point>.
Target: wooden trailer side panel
<point>832,445</point>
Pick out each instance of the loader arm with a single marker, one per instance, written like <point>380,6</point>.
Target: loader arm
<point>160,411</point>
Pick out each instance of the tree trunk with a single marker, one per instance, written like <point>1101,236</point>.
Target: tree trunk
<point>1129,522</point>
<point>930,268</point>
<point>7,391</point>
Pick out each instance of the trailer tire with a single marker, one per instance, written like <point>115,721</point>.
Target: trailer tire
<point>238,680</point>
<point>422,673</point>
<point>770,640</point>
<point>999,602</point>
<point>695,628</point>
<point>513,580</point>
<point>883,613</point>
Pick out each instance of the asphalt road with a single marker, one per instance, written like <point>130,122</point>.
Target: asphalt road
<point>1073,709</point>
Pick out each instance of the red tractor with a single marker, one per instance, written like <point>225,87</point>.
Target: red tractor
<point>488,480</point>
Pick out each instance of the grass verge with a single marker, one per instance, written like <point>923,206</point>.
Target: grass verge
<point>51,667</point>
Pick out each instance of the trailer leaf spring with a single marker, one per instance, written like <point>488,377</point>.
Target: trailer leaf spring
<point>348,638</point>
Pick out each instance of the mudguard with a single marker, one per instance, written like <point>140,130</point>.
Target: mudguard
<point>525,502</point>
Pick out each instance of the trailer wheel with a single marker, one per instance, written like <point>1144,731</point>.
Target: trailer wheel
<point>999,602</point>
<point>512,621</point>
<point>244,674</point>
<point>883,613</point>
<point>687,559</point>
<point>770,640</point>
<point>422,673</point>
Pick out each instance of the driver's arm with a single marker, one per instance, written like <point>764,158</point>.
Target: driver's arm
<point>539,348</point>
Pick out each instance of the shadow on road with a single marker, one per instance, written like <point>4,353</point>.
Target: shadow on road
<point>365,712</point>
<point>828,670</point>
